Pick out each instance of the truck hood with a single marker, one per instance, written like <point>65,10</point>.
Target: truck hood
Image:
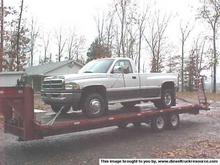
<point>81,76</point>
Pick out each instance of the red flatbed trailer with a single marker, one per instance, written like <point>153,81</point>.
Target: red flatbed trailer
<point>17,108</point>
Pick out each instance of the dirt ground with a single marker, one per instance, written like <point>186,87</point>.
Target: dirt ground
<point>197,137</point>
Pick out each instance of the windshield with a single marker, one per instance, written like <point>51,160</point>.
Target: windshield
<point>97,66</point>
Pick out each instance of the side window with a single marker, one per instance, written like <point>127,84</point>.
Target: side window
<point>127,66</point>
<point>124,65</point>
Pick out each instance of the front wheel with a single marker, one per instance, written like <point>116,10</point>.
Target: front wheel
<point>94,105</point>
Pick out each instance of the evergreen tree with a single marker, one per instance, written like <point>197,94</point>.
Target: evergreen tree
<point>98,50</point>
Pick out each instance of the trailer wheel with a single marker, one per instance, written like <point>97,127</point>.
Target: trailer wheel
<point>94,105</point>
<point>158,123</point>
<point>56,108</point>
<point>122,125</point>
<point>173,121</point>
<point>137,124</point>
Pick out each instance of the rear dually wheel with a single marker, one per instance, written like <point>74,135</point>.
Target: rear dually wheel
<point>167,99</point>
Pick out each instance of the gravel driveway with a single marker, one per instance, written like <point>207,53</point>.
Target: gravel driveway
<point>133,142</point>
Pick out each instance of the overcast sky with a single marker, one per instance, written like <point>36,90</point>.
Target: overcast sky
<point>52,15</point>
<point>79,14</point>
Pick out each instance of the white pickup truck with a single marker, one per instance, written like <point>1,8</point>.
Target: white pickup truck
<point>107,81</point>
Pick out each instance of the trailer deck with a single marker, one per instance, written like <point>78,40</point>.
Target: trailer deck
<point>17,107</point>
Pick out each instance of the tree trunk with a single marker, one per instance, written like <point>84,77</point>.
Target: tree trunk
<point>182,60</point>
<point>215,61</point>
<point>18,35</point>
<point>2,35</point>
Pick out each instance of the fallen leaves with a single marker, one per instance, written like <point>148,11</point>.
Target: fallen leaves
<point>1,121</point>
<point>39,104</point>
<point>199,149</point>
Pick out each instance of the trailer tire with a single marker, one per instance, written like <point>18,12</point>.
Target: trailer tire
<point>122,125</point>
<point>173,121</point>
<point>94,105</point>
<point>158,123</point>
<point>56,108</point>
<point>137,124</point>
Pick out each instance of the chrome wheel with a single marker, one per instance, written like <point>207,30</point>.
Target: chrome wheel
<point>95,106</point>
<point>173,121</point>
<point>160,122</point>
<point>167,99</point>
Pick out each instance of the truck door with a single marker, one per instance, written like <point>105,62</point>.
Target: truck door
<point>130,81</point>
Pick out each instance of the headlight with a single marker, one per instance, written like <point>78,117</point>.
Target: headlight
<point>72,86</point>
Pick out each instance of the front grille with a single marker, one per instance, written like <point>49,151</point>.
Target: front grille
<point>53,84</point>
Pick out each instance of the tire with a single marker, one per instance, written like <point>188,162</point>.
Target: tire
<point>137,124</point>
<point>94,105</point>
<point>56,108</point>
<point>167,99</point>
<point>122,125</point>
<point>173,121</point>
<point>158,123</point>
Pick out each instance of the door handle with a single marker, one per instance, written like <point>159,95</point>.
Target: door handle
<point>134,77</point>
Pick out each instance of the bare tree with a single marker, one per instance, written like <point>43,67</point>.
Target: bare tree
<point>201,53</point>
<point>78,47</point>
<point>185,31</point>
<point>173,63</point>
<point>18,35</point>
<point>70,44</point>
<point>109,30</point>
<point>34,33</point>
<point>121,7</point>
<point>131,33</point>
<point>156,40</point>
<point>75,46</point>
<point>141,27</point>
<point>100,23</point>
<point>198,61</point>
<point>105,31</point>
<point>210,11</point>
<point>46,42</point>
<point>60,44</point>
<point>2,35</point>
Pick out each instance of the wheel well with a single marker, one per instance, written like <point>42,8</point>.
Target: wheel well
<point>93,89</point>
<point>168,85</point>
